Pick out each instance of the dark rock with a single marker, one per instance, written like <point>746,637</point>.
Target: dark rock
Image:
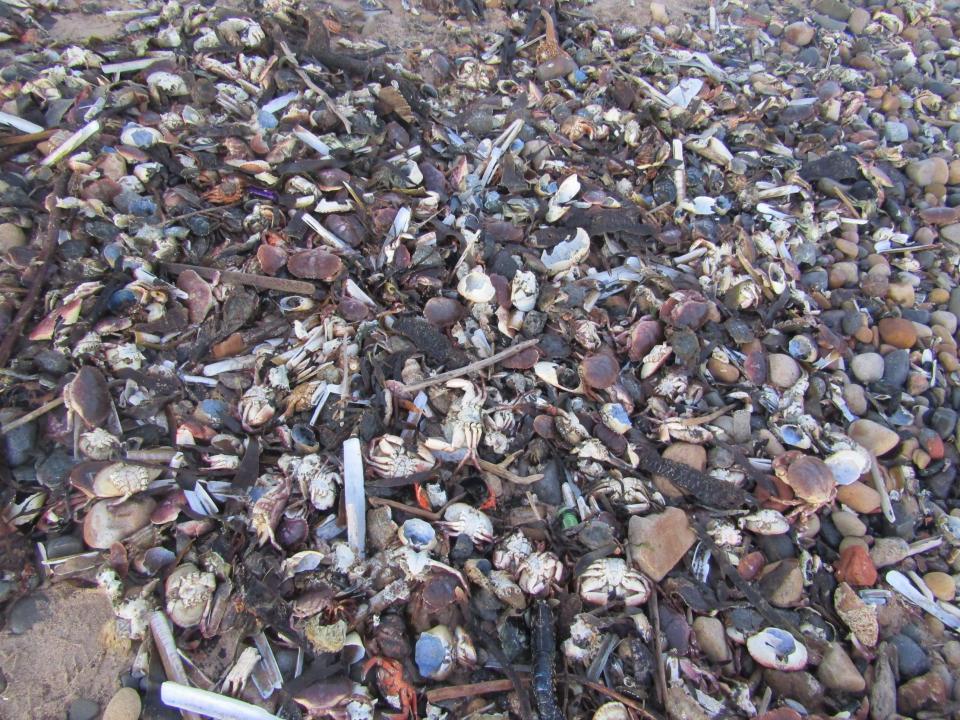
<point>63,546</point>
<point>82,709</point>
<point>53,470</point>
<point>944,422</point>
<point>25,612</point>
<point>18,444</point>
<point>837,166</point>
<point>911,658</point>
<point>896,367</point>
<point>52,362</point>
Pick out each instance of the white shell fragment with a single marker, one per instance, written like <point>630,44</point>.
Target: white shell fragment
<point>564,255</point>
<point>766,522</point>
<point>848,465</point>
<point>777,649</point>
<point>476,287</point>
<point>524,290</point>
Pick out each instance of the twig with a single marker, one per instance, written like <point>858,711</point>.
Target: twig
<point>201,211</point>
<point>455,692</point>
<point>331,105</point>
<point>15,330</point>
<point>612,694</point>
<point>471,368</point>
<point>504,474</point>
<point>232,277</point>
<point>409,509</point>
<point>32,415</point>
<point>661,675</point>
<point>27,139</point>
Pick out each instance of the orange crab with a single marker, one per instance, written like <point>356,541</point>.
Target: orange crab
<point>392,684</point>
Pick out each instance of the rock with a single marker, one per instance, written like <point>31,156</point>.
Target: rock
<point>62,546</point>
<point>857,615</point>
<point>951,653</point>
<point>11,236</point>
<point>873,436</point>
<point>843,273</point>
<point>799,34</point>
<point>691,455</point>
<point>834,9</point>
<point>723,372</point>
<point>18,444</point>
<point>944,422</point>
<point>82,709</point>
<point>53,470</point>
<point>659,541</point>
<point>712,638</point>
<point>898,332</point>
<point>858,20</point>
<point>557,67</point>
<point>800,686</point>
<point>855,567</point>
<point>859,497</point>
<point>867,367</point>
<point>856,398</point>
<point>784,370</point>
<point>912,659</point>
<point>895,131</point>
<point>942,585</point>
<point>889,551</point>
<point>848,524</point>
<point>944,319</point>
<point>930,171</point>
<point>837,671</point>
<point>25,612</point>
<point>782,583</point>
<point>926,691</point>
<point>896,367</point>
<point>951,233</point>
<point>107,523</point>
<point>124,705</point>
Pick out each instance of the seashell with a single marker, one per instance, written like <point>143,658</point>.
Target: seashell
<point>434,653</point>
<point>108,522</point>
<point>418,534</point>
<point>476,287</point>
<point>567,253</point>
<point>777,649</point>
<point>848,466</point>
<point>567,190</point>
<point>612,711</point>
<point>168,83</point>
<point>524,290</point>
<point>295,303</point>
<point>140,137</point>
<point>803,348</point>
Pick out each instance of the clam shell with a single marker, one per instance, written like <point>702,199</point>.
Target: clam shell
<point>778,649</point>
<point>476,287</point>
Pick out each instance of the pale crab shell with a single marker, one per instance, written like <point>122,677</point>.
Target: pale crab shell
<point>584,640</point>
<point>612,577</point>
<point>168,82</point>
<point>98,444</point>
<point>524,291</point>
<point>511,551</point>
<point>567,253</point>
<point>537,571</point>
<point>139,136</point>
<point>476,287</point>
<point>187,592</point>
<point>122,479</point>
<point>765,522</point>
<point>464,519</point>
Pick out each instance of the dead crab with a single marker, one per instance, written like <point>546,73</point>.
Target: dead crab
<point>464,424</point>
<point>511,551</point>
<point>122,480</point>
<point>537,571</point>
<point>317,482</point>
<point>256,407</point>
<point>266,511</point>
<point>811,480</point>
<point>236,679</point>
<point>338,699</point>
<point>463,519</point>
<point>188,592</point>
<point>611,579</point>
<point>630,491</point>
<point>87,397</point>
<point>98,444</point>
<point>389,457</point>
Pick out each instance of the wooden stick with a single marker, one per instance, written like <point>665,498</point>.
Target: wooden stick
<point>504,474</point>
<point>409,509</point>
<point>201,211</point>
<point>32,415</point>
<point>613,695</point>
<point>232,277</point>
<point>471,368</point>
<point>455,692</point>
<point>15,330</point>
<point>27,139</point>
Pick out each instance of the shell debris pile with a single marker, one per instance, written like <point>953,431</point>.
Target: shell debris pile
<point>557,369</point>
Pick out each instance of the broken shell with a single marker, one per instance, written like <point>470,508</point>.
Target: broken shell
<point>567,253</point>
<point>434,653</point>
<point>810,479</point>
<point>612,711</point>
<point>765,522</point>
<point>476,287</point>
<point>523,291</point>
<point>615,417</point>
<point>124,479</point>
<point>778,649</point>
<point>187,593</point>
<point>802,348</point>
<point>848,466</point>
<point>107,522</point>
<point>418,534</point>
<point>140,137</point>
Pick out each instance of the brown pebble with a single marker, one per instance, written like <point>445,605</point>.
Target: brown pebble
<point>723,372</point>
<point>939,296</point>
<point>898,332</point>
<point>902,294</point>
<point>855,567</point>
<point>125,705</point>
<point>942,585</point>
<point>859,497</point>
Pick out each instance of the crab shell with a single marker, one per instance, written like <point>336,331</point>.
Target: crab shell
<point>611,578</point>
<point>188,592</point>
<point>123,479</point>
<point>88,396</point>
<point>537,570</point>
<point>463,519</point>
<point>511,551</point>
<point>810,478</point>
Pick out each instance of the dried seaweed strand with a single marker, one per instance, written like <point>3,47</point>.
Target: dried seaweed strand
<point>707,490</point>
<point>456,692</point>
<point>471,368</point>
<point>15,330</point>
<point>232,277</point>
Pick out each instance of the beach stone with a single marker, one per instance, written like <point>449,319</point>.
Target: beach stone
<point>896,367</point>
<point>926,691</point>
<point>912,660</point>
<point>712,638</point>
<point>11,236</point>
<point>859,497</point>
<point>858,20</point>
<point>124,705</point>
<point>944,319</point>
<point>82,709</point>
<point>837,671</point>
<point>867,367</point>
<point>942,585</point>
<point>799,34</point>
<point>783,585</point>
<point>843,273</point>
<point>895,131</point>
<point>929,171</point>
<point>856,398</point>
<point>950,233</point>
<point>25,612</point>
<point>898,332</point>
<point>855,567</point>
<point>873,436</point>
<point>659,541</point>
<point>944,421</point>
<point>784,370</point>
<point>889,551</point>
<point>848,524</point>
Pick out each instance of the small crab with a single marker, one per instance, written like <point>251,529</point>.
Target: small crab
<point>256,407</point>
<point>188,592</point>
<point>87,397</point>
<point>464,425</point>
<point>537,571</point>
<point>463,519</point>
<point>266,511</point>
<point>236,679</point>
<point>122,480</point>
<point>611,578</point>
<point>98,444</point>
<point>511,551</point>
<point>316,481</point>
<point>389,457</point>
<point>339,699</point>
<point>397,691</point>
<point>630,491</point>
<point>320,601</point>
<point>811,480</point>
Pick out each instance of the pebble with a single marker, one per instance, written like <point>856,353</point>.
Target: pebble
<point>929,171</point>
<point>944,422</point>
<point>784,370</point>
<point>855,567</point>
<point>858,20</point>
<point>659,541</point>
<point>11,236</point>
<point>912,660</point>
<point>63,546</point>
<point>782,583</point>
<point>843,273</point>
<point>889,551</point>
<point>895,131</point>
<point>723,372</point>
<point>926,691</point>
<point>25,612</point>
<point>951,653</point>
<point>873,436</point>
<point>944,319</point>
<point>856,398</point>
<point>896,367</point>
<point>898,332</point>
<point>837,671</point>
<point>799,34</point>
<point>848,524</point>
<point>867,367</point>
<point>124,705</point>
<point>942,585</point>
<point>859,497</point>
<point>18,444</point>
<point>83,709</point>
<point>950,233</point>
<point>712,638</point>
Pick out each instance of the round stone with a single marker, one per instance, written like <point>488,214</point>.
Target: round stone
<point>11,236</point>
<point>912,660</point>
<point>898,332</point>
<point>848,524</point>
<point>784,370</point>
<point>858,20</point>
<point>873,436</point>
<point>798,33</point>
<point>125,705</point>
<point>711,638</point>
<point>930,171</point>
<point>889,551</point>
<point>867,367</point>
<point>859,497</point>
<point>856,398</point>
<point>837,671</point>
<point>942,585</point>
<point>895,131</point>
<point>83,709</point>
<point>945,319</point>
